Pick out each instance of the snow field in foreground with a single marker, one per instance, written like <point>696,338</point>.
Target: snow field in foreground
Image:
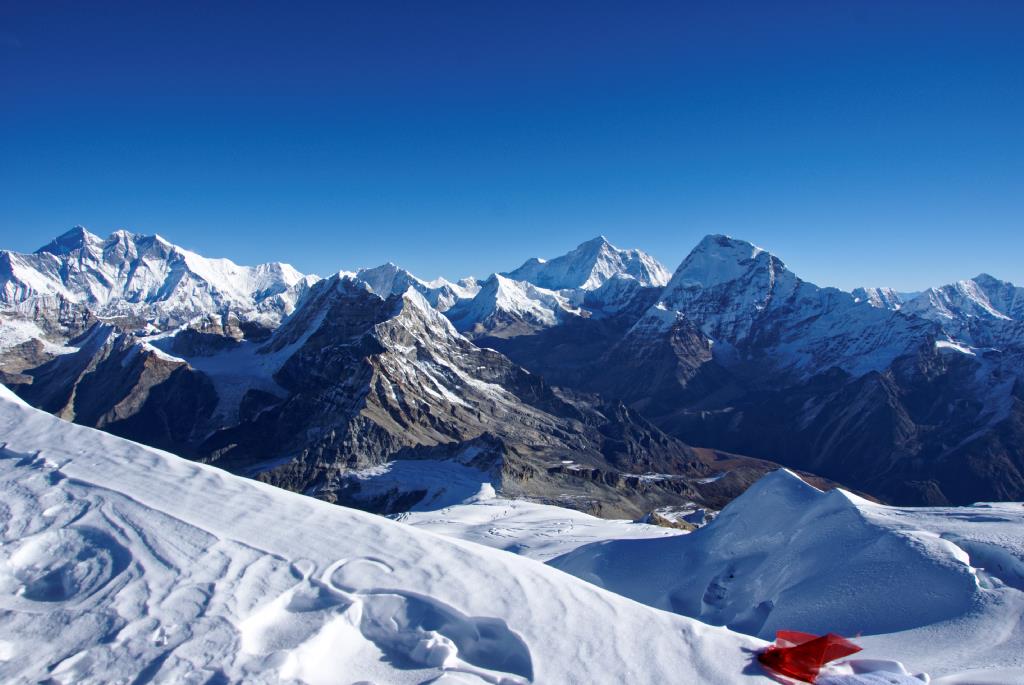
<point>123,563</point>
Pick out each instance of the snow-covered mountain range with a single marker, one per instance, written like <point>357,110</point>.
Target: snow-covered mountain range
<point>146,278</point>
<point>913,398</point>
<point>910,397</point>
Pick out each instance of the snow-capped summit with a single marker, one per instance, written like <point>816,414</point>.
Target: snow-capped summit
<point>724,284</point>
<point>388,279</point>
<point>588,267</point>
<point>504,307</point>
<point>719,259</point>
<point>744,299</point>
<point>75,239</point>
<point>983,296</point>
<point>146,276</point>
<point>883,298</point>
<point>982,311</point>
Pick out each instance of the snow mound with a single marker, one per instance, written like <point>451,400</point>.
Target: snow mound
<point>121,563</point>
<point>940,589</point>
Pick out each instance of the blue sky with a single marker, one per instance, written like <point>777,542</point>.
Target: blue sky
<point>863,142</point>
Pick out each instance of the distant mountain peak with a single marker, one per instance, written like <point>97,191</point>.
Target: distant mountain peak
<point>598,242</point>
<point>390,279</point>
<point>145,275</point>
<point>719,259</point>
<point>74,239</point>
<point>589,265</point>
<point>881,298</point>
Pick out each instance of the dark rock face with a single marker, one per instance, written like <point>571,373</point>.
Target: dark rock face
<point>370,380</point>
<point>115,384</point>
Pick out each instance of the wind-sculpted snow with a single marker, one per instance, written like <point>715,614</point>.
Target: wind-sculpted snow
<point>939,589</point>
<point>125,564</point>
<point>537,531</point>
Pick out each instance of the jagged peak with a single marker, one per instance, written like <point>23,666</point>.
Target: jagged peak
<point>412,305</point>
<point>880,298</point>
<point>69,241</point>
<point>500,284</point>
<point>386,267</point>
<point>720,240</point>
<point>598,243</point>
<point>986,279</point>
<point>726,245</point>
<point>588,266</point>
<point>388,279</point>
<point>414,298</point>
<point>346,281</point>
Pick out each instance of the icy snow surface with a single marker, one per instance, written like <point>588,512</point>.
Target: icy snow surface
<point>940,589</point>
<point>121,563</point>
<point>534,530</point>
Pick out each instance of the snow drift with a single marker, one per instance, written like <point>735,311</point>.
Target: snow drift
<point>940,589</point>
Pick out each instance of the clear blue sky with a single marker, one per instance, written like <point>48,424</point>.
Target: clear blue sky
<point>863,142</point>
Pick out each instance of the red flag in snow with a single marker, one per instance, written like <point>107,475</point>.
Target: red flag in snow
<point>801,655</point>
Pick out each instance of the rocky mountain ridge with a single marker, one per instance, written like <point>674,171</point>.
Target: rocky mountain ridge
<point>912,398</point>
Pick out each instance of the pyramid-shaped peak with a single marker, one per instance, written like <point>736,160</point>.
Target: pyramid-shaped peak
<point>74,239</point>
<point>720,242</point>
<point>589,265</point>
<point>985,279</point>
<point>719,259</point>
<point>597,242</point>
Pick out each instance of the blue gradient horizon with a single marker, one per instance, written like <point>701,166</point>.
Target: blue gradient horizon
<point>863,143</point>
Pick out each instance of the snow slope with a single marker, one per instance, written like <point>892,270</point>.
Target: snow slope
<point>534,530</point>
<point>939,589</point>
<point>123,563</point>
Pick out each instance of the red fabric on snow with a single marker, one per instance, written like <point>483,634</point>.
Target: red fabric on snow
<point>801,655</point>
